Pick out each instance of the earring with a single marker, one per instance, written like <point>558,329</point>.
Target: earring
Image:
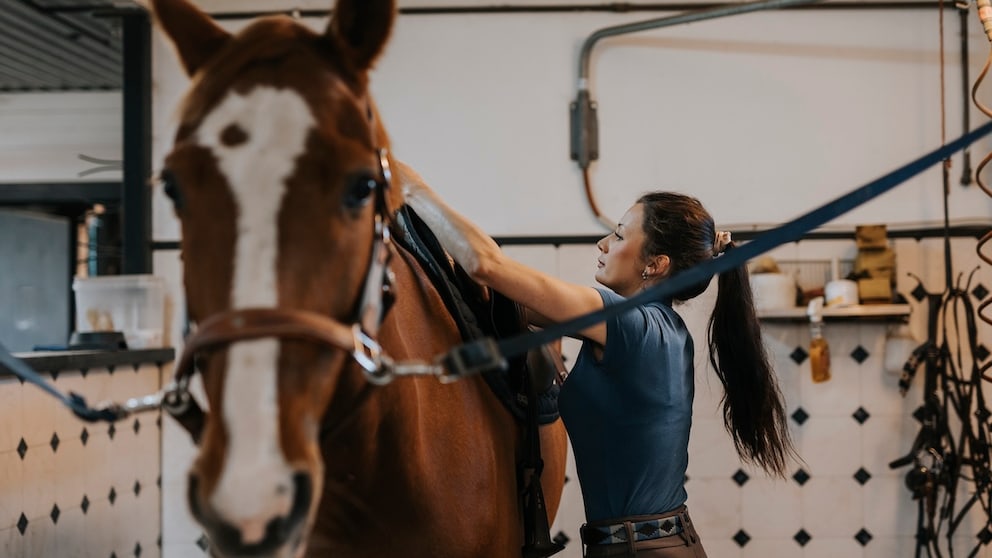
<point>644,275</point>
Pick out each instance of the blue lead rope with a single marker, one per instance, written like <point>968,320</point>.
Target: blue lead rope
<point>485,351</point>
<point>74,401</point>
<point>793,230</point>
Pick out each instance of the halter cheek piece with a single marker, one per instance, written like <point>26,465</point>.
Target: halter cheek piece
<point>357,337</point>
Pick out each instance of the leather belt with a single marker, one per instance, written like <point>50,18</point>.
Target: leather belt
<point>634,529</point>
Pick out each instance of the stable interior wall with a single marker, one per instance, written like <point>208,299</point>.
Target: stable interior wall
<point>761,116</point>
<point>42,136</point>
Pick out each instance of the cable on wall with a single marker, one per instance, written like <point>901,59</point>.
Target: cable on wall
<point>984,252</point>
<point>950,474</point>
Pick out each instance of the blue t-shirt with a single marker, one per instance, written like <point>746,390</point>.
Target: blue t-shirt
<point>628,415</point>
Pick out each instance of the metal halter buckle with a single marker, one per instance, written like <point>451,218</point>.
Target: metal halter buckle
<point>472,358</point>
<point>368,354</point>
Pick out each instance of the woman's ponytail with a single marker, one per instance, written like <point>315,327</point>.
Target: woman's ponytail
<point>753,408</point>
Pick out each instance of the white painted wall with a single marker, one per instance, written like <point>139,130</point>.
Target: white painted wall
<point>43,134</point>
<point>762,116</point>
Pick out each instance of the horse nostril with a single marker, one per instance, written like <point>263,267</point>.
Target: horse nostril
<point>304,495</point>
<point>261,537</point>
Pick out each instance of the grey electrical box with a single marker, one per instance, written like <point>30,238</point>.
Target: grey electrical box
<point>35,274</point>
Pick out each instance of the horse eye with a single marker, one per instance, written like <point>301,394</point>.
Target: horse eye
<point>171,187</point>
<point>360,190</point>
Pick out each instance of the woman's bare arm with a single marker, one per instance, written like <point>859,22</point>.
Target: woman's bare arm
<point>549,297</point>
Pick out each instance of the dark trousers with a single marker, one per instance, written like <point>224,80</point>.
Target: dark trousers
<point>684,544</point>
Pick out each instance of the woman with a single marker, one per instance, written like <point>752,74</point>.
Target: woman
<point>627,403</point>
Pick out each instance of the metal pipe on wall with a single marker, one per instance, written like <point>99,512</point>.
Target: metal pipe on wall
<point>584,136</point>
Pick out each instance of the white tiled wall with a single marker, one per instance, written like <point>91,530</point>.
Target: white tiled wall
<point>767,518</point>
<point>759,517</point>
<point>73,489</point>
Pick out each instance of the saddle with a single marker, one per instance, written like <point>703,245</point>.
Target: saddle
<point>481,312</point>
<point>526,387</point>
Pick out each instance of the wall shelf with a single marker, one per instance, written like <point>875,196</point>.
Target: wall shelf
<point>861,312</point>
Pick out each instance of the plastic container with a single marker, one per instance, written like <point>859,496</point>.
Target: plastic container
<point>838,292</point>
<point>773,291</point>
<point>130,304</point>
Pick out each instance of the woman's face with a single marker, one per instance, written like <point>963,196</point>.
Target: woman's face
<point>620,262</point>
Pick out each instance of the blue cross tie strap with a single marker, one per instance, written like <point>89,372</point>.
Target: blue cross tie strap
<point>74,401</point>
<point>788,232</point>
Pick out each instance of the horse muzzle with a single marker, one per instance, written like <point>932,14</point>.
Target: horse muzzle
<point>283,536</point>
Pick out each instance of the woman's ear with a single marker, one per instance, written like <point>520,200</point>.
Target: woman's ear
<point>659,266</point>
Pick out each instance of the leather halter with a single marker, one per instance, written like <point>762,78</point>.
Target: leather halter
<point>254,323</point>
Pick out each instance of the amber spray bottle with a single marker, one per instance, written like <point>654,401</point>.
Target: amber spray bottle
<point>819,350</point>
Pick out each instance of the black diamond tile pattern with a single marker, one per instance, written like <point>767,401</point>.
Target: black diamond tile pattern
<point>983,414</point>
<point>863,537</point>
<point>801,477</point>
<point>861,415</point>
<point>862,476</point>
<point>919,293</point>
<point>799,355</point>
<point>22,448</point>
<point>800,416</point>
<point>85,504</point>
<point>203,543</point>
<point>113,554</point>
<point>22,524</point>
<point>860,354</point>
<point>111,431</point>
<point>802,537</point>
<point>137,550</point>
<point>740,477</point>
<point>981,353</point>
<point>561,538</point>
<point>919,413</point>
<point>137,488</point>
<point>112,496</point>
<point>742,538</point>
<point>54,442</point>
<point>136,426</point>
<point>84,436</point>
<point>979,292</point>
<point>55,514</point>
<point>985,536</point>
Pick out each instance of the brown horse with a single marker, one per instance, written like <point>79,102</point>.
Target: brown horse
<point>280,177</point>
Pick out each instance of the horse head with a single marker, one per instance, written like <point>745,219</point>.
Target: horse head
<point>279,177</point>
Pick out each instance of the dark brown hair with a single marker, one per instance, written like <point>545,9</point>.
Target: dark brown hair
<point>679,226</point>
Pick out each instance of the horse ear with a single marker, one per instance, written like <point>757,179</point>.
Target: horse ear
<point>192,31</point>
<point>362,27</point>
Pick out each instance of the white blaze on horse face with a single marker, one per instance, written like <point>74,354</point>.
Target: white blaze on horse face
<point>256,484</point>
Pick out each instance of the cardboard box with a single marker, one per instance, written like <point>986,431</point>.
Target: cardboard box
<point>876,264</point>
<point>871,237</point>
<point>875,291</point>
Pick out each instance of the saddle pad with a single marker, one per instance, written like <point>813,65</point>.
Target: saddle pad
<point>496,317</point>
